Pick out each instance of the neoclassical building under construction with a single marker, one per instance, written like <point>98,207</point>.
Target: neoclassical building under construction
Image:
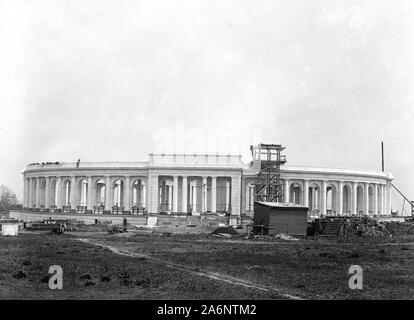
<point>196,184</point>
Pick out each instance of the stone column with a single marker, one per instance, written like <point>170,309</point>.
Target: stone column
<point>306,193</point>
<point>194,196</point>
<point>72,200</point>
<point>354,198</point>
<point>153,191</point>
<point>323,198</point>
<point>375,199</point>
<point>108,190</point>
<point>366,198</point>
<point>286,191</point>
<point>170,196</point>
<point>313,196</point>
<point>47,193</point>
<point>29,193</point>
<point>89,202</point>
<point>340,198</point>
<point>247,199</point>
<point>235,195</point>
<point>24,192</point>
<point>143,194</point>
<point>213,194</point>
<point>227,195</point>
<point>204,195</point>
<point>384,196</point>
<point>388,199</point>
<point>184,195</point>
<point>128,188</point>
<point>37,192</point>
<point>175,194</point>
<point>58,191</point>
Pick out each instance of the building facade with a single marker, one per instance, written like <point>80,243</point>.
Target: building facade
<point>196,184</point>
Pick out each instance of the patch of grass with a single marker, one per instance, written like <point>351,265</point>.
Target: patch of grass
<point>313,267</point>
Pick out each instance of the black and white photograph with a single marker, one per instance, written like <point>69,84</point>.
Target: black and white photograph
<point>223,152</point>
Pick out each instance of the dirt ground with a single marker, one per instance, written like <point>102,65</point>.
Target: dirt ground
<point>151,265</point>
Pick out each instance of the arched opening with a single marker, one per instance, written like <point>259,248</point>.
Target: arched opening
<point>66,188</point>
<point>314,199</point>
<point>331,200</point>
<point>223,198</point>
<point>379,190</point>
<point>138,196</point>
<point>346,200</point>
<point>32,199</point>
<point>166,194</point>
<point>249,198</point>
<point>53,195</point>
<point>360,201</point>
<point>118,196</point>
<point>100,196</point>
<point>42,193</point>
<point>370,200</point>
<point>295,195</point>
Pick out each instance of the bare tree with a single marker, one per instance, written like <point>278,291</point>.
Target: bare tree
<point>8,199</point>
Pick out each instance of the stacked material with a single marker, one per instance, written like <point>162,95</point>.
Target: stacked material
<point>399,228</point>
<point>43,226</point>
<point>365,226</point>
<point>49,225</point>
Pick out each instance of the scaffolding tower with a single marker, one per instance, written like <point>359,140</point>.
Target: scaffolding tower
<point>269,158</point>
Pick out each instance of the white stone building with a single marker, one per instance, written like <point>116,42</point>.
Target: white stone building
<point>183,183</point>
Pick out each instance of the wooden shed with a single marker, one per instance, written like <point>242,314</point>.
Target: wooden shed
<point>9,227</point>
<point>271,218</point>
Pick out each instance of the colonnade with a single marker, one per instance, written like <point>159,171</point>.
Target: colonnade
<point>86,193</point>
<point>124,194</point>
<point>196,194</point>
<point>339,197</point>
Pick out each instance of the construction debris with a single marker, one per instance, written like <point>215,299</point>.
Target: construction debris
<point>287,237</point>
<point>19,274</point>
<point>225,232</point>
<point>116,229</point>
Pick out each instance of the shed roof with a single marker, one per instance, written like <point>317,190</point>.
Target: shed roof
<point>9,221</point>
<point>281,205</point>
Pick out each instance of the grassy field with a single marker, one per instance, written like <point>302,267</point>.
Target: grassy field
<point>137,265</point>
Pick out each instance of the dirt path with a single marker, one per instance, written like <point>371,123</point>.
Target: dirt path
<point>211,275</point>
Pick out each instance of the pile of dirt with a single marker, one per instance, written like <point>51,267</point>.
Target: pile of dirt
<point>225,232</point>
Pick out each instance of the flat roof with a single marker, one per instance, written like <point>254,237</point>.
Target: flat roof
<point>281,204</point>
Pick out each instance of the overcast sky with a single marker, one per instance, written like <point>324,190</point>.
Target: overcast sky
<point>115,80</point>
